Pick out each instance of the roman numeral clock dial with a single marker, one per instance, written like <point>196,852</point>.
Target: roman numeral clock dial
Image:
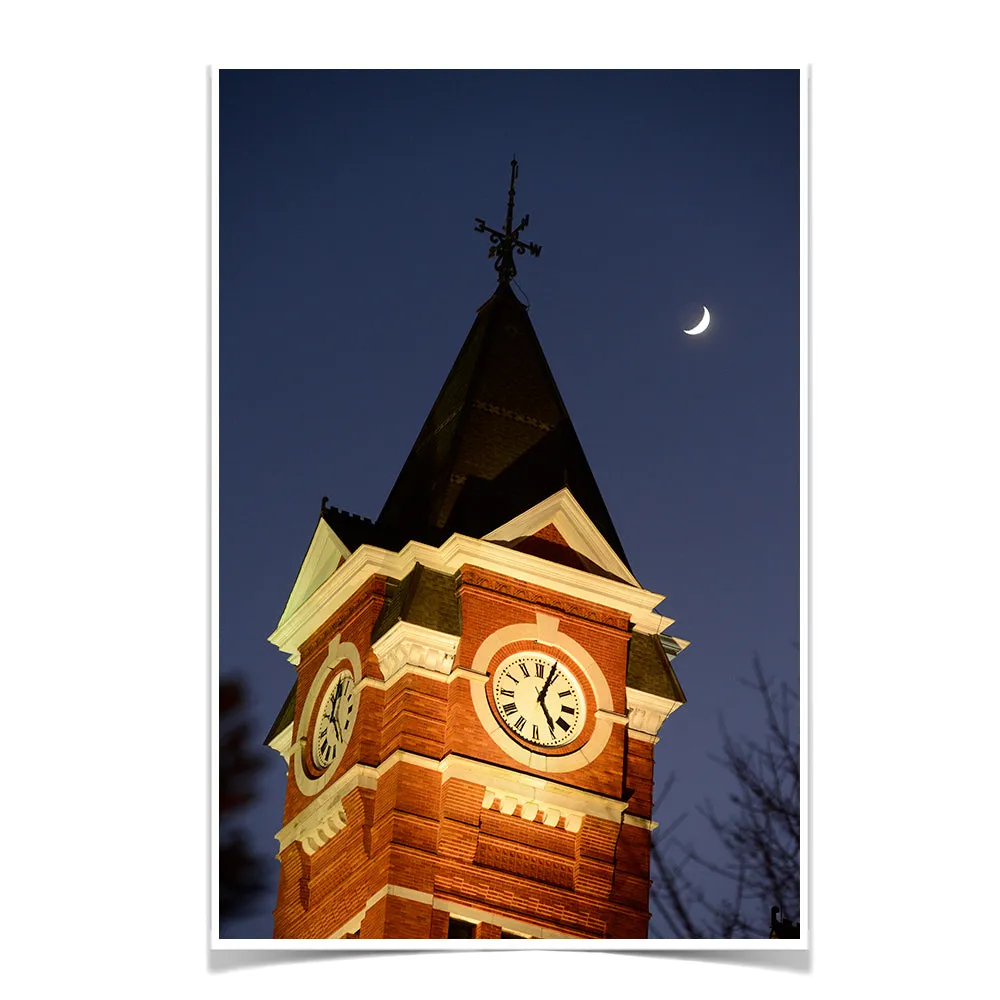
<point>334,721</point>
<point>538,699</point>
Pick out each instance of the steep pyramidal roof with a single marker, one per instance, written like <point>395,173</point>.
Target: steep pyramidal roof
<point>497,440</point>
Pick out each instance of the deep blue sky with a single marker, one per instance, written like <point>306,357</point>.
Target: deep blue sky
<point>349,275</point>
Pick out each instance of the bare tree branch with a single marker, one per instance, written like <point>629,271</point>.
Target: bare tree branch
<point>758,836</point>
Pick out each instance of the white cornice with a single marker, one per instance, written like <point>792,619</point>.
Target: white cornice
<point>459,550</point>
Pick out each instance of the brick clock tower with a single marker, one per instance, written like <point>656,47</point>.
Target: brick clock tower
<point>480,678</point>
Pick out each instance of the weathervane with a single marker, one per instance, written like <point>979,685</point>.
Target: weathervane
<point>505,244</point>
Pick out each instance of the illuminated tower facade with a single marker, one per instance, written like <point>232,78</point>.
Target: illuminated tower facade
<point>480,678</point>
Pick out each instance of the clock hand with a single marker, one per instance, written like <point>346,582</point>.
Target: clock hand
<point>548,718</point>
<point>333,715</point>
<point>545,686</point>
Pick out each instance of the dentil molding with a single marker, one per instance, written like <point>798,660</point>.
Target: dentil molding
<point>326,816</point>
<point>531,808</point>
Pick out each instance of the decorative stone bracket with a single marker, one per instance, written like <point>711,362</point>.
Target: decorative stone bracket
<point>325,829</point>
<point>406,644</point>
<point>326,816</point>
<point>647,712</point>
<point>531,808</point>
<point>314,830</point>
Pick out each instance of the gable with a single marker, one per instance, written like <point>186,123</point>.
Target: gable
<point>558,529</point>
<point>548,543</point>
<point>325,553</point>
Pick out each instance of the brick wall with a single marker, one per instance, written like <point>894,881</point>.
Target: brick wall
<point>429,834</point>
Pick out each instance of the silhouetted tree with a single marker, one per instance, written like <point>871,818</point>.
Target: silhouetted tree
<point>241,878</point>
<point>758,866</point>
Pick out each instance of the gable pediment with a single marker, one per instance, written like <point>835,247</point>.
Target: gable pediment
<point>560,522</point>
<point>325,553</point>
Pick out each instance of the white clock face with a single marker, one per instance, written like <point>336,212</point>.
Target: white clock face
<point>335,721</point>
<point>538,699</point>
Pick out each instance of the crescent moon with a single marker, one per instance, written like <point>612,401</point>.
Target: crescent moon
<point>702,323</point>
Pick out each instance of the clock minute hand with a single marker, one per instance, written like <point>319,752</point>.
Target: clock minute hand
<point>545,687</point>
<point>333,713</point>
<point>548,718</point>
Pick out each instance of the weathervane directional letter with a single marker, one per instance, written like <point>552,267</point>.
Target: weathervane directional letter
<point>506,244</point>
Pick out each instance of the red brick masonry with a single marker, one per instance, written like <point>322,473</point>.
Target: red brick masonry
<point>427,836</point>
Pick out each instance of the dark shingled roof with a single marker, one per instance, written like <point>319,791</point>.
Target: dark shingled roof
<point>497,441</point>
<point>649,669</point>
<point>285,717</point>
<point>423,597</point>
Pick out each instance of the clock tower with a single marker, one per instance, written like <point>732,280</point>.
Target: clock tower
<point>480,678</point>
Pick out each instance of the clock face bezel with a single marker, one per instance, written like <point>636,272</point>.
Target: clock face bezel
<point>337,706</point>
<point>546,726</point>
<point>544,635</point>
<point>341,656</point>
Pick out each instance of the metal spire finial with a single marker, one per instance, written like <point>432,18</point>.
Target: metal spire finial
<point>506,244</point>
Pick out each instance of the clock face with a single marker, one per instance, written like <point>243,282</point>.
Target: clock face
<point>335,721</point>
<point>538,699</point>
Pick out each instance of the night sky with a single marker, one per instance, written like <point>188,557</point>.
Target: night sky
<point>350,273</point>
